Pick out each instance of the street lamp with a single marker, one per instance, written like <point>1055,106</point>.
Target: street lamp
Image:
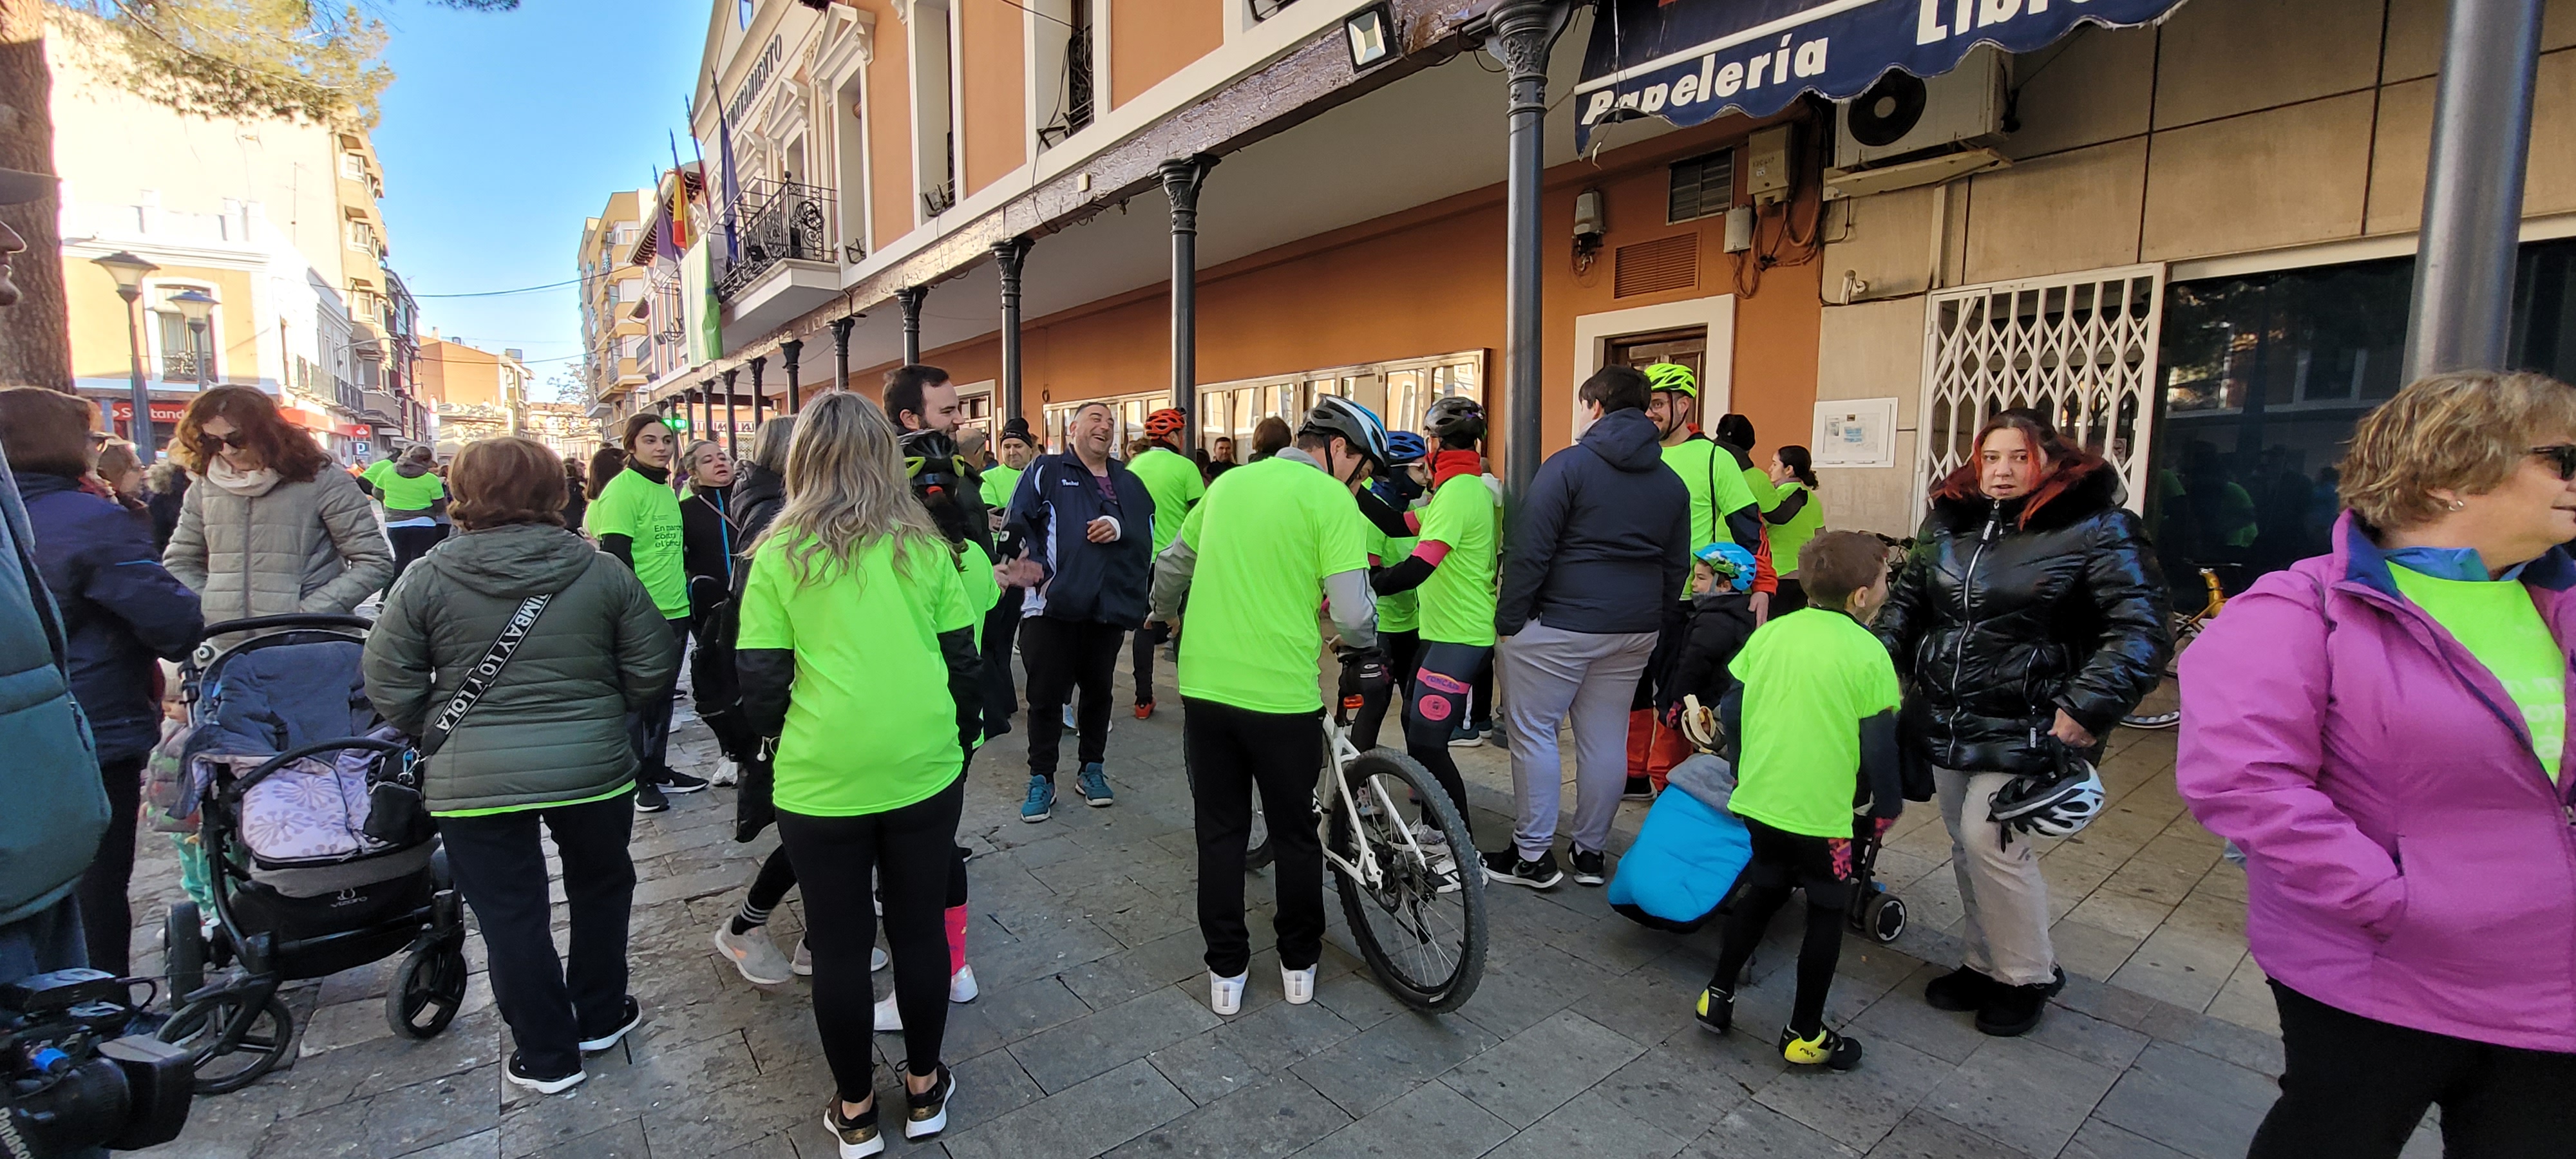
<point>129,271</point>
<point>196,306</point>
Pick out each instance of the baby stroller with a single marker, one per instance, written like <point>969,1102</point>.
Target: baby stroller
<point>278,759</point>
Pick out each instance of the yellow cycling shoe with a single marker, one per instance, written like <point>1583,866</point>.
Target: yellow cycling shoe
<point>1827,1049</point>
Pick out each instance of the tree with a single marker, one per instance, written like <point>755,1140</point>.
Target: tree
<point>35,336</point>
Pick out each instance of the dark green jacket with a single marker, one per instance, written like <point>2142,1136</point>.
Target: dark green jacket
<point>553,727</point>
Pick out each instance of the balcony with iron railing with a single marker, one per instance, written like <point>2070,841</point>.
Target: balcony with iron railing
<point>773,222</point>
<point>180,365</point>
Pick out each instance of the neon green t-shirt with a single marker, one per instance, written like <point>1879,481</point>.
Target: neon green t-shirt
<point>1810,678</point>
<point>1715,485</point>
<point>1266,536</point>
<point>1400,612</point>
<point>1787,538</point>
<point>1458,599</point>
<point>1174,483</point>
<point>647,513</point>
<point>412,492</point>
<point>1766,494</point>
<point>975,573</point>
<point>377,470</point>
<point>870,725</point>
<point>1000,482</point>
<point>2496,622</point>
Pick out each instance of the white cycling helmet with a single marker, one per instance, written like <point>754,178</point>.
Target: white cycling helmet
<point>2056,804</point>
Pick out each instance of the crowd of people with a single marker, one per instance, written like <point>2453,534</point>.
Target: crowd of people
<point>1656,593</point>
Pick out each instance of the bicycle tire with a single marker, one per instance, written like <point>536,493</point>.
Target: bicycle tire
<point>1405,897</point>
<point>2185,630</point>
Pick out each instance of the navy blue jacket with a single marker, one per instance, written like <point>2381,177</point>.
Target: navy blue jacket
<point>57,807</point>
<point>1602,542</point>
<point>120,608</point>
<point>1096,582</point>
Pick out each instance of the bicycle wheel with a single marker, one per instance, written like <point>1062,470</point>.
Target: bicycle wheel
<point>2162,709</point>
<point>1421,929</point>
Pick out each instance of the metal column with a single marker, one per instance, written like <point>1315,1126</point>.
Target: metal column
<point>841,351</point>
<point>910,298</point>
<point>758,399</point>
<point>1182,179</point>
<point>791,350</point>
<point>2462,318</point>
<point>1523,31</point>
<point>728,419</point>
<point>1008,256</point>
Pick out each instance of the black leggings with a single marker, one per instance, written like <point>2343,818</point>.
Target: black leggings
<point>912,851</point>
<point>1001,697</point>
<point>713,685</point>
<point>106,922</point>
<point>1443,677</point>
<point>1400,647</point>
<point>1063,655</point>
<point>1140,657</point>
<point>1480,709</point>
<point>1229,751</point>
<point>2355,1088</point>
<point>1783,861</point>
<point>649,728</point>
<point>778,875</point>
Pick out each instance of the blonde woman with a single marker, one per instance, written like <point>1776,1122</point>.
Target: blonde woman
<point>854,612</point>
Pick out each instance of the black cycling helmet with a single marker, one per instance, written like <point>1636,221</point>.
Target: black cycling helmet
<point>930,460</point>
<point>1356,424</point>
<point>1455,417</point>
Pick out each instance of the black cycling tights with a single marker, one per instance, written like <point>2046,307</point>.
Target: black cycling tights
<point>1442,676</point>
<point>912,851</point>
<point>1783,861</point>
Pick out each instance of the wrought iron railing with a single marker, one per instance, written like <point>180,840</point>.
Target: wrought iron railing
<point>179,365</point>
<point>773,221</point>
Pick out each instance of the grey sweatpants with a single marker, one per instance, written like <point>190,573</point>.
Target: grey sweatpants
<point>1543,675</point>
<point>2000,886</point>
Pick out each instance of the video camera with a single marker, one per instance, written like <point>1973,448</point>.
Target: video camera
<point>71,1078</point>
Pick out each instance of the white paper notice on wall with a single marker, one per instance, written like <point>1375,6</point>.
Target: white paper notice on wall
<point>1855,432</point>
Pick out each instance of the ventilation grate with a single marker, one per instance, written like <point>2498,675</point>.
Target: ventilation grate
<point>1701,186</point>
<point>1648,267</point>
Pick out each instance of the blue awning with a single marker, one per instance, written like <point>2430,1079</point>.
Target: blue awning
<point>1688,61</point>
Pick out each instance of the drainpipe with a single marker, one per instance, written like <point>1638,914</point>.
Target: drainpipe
<point>1182,179</point>
<point>2462,317</point>
<point>1522,33</point>
<point>1008,256</point>
<point>910,298</point>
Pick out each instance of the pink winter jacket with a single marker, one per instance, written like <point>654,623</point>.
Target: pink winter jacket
<point>2408,859</point>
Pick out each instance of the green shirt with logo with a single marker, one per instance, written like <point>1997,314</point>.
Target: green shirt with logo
<point>2496,621</point>
<point>1000,482</point>
<point>1174,483</point>
<point>648,514</point>
<point>1266,536</point>
<point>1458,599</point>
<point>1810,678</point>
<point>870,724</point>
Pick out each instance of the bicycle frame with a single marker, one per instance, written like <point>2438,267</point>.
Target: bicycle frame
<point>1332,793</point>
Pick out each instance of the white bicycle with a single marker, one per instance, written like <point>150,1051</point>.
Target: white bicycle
<point>1412,891</point>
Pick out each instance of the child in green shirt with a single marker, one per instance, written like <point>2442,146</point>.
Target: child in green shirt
<point>1811,717</point>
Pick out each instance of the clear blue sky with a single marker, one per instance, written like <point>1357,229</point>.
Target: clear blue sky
<point>503,131</point>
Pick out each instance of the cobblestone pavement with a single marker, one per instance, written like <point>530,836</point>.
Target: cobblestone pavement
<point>1093,1037</point>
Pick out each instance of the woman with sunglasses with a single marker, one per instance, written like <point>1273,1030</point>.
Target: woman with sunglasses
<point>2383,731</point>
<point>273,528</point>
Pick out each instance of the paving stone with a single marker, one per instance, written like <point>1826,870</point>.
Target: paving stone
<point>657,1087</point>
<point>1429,1120</point>
<point>1138,970</point>
<point>1248,1046</point>
<point>1273,1117</point>
<point>992,1085</point>
<point>1358,999</point>
<point>999,1018</point>
<point>2022,1093</point>
<point>1536,1071</point>
<point>1088,1119</point>
<point>479,1145</point>
<point>406,1119</point>
<point>1856,1108</point>
<point>622,1141</point>
<point>2084,1036</point>
<point>2189,1101</point>
<point>1374,1067</point>
<point>1922,1135</point>
<point>1671,1088</point>
<point>1754,1131</point>
<point>2100,1140</point>
<point>1535,985</point>
<point>1096,1042</point>
<point>1903,1016</point>
<point>1588,1128</point>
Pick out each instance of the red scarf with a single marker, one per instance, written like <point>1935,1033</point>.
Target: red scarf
<point>1447,465</point>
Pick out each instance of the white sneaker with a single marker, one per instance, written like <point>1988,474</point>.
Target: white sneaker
<point>877,959</point>
<point>888,1018</point>
<point>961,985</point>
<point>1225,995</point>
<point>727,773</point>
<point>802,962</point>
<point>754,954</point>
<point>1299,985</point>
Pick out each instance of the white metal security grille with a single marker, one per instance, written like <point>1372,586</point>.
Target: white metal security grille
<point>2080,348</point>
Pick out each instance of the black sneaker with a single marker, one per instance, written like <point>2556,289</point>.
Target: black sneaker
<point>926,1114</point>
<point>1827,1049</point>
<point>677,782</point>
<point>1960,989</point>
<point>2013,1010</point>
<point>649,799</point>
<point>1639,789</point>
<point>517,1072</point>
<point>858,1137</point>
<point>630,1017</point>
<point>1587,866</point>
<point>1505,865</point>
<point>1716,1011</point>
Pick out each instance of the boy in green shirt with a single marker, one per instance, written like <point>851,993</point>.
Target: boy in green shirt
<point>1812,722</point>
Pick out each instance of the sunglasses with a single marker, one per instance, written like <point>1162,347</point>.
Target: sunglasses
<point>214,444</point>
<point>2561,456</point>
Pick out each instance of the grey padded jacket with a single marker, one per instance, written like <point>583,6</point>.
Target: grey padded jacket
<point>311,547</point>
<point>552,728</point>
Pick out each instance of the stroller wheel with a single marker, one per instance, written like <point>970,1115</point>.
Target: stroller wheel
<point>427,991</point>
<point>183,951</point>
<point>1883,918</point>
<point>267,1028</point>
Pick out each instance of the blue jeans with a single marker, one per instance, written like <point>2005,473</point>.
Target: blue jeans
<point>44,942</point>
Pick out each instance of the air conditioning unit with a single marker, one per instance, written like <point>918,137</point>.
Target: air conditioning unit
<point>1903,114</point>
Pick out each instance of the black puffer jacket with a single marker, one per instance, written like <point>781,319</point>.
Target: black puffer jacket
<point>2000,620</point>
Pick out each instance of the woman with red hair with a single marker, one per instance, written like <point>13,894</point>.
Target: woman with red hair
<point>268,531</point>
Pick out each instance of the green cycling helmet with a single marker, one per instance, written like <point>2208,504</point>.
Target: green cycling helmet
<point>1672,377</point>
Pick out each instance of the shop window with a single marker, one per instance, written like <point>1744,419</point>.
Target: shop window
<point>1701,186</point>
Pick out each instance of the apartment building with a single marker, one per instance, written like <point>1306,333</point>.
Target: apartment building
<point>2185,229</point>
<point>473,393</point>
<point>615,293</point>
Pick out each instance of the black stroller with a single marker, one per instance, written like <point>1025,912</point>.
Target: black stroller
<point>278,760</point>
